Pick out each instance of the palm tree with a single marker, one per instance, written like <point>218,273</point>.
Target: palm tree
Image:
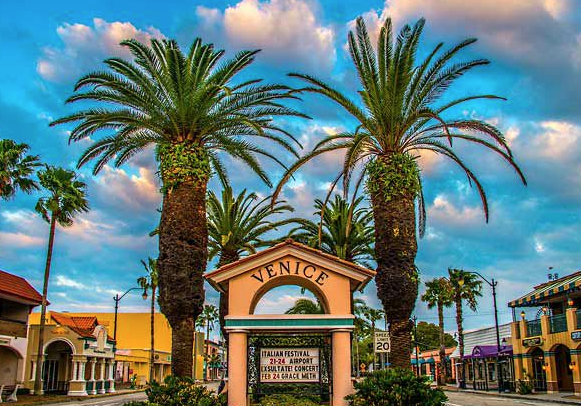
<point>399,119</point>
<point>360,327</point>
<point>238,226</point>
<point>186,106</point>
<point>373,316</point>
<point>345,230</point>
<point>306,306</point>
<point>439,294</point>
<point>65,199</point>
<point>16,169</point>
<point>209,316</point>
<point>465,287</point>
<point>150,282</point>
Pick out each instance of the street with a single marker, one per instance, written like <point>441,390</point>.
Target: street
<point>469,399</point>
<point>106,401</point>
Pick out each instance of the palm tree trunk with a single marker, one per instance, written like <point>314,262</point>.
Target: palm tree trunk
<point>152,355</point>
<point>183,255</point>
<point>40,349</point>
<point>442,378</point>
<point>459,322</point>
<point>396,279</point>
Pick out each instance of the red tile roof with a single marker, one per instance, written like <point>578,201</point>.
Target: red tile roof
<point>82,325</point>
<point>16,286</point>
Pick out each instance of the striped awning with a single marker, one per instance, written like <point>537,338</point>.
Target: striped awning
<point>546,291</point>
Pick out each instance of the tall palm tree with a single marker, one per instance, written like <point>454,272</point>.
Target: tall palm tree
<point>238,225</point>
<point>398,119</point>
<point>465,287</point>
<point>209,316</point>
<point>65,198</point>
<point>16,169</point>
<point>189,107</point>
<point>345,230</point>
<point>150,282</point>
<point>306,306</point>
<point>439,294</point>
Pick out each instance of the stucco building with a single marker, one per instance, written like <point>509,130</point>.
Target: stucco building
<point>17,299</point>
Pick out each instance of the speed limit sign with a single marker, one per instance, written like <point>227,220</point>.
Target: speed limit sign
<point>381,342</point>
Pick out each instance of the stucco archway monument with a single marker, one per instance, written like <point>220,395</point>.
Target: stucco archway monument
<point>282,353</point>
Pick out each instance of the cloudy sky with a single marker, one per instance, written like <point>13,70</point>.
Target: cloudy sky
<point>535,49</point>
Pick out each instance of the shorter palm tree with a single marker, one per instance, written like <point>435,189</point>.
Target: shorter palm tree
<point>149,282</point>
<point>209,316</point>
<point>373,316</point>
<point>16,169</point>
<point>306,306</point>
<point>345,230</point>
<point>238,225</point>
<point>439,294</point>
<point>65,199</point>
<point>465,287</point>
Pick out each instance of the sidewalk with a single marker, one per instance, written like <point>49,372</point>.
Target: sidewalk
<point>564,398</point>
<point>48,399</point>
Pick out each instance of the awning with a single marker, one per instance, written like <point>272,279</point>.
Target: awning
<point>547,290</point>
<point>489,351</point>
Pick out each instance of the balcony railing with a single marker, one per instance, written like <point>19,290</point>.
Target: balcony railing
<point>534,328</point>
<point>578,314</point>
<point>558,323</point>
<point>12,328</point>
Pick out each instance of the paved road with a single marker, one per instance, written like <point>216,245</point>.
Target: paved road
<point>469,399</point>
<point>106,401</point>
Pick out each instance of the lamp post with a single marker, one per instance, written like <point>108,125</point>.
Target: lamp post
<point>415,319</point>
<point>492,283</point>
<point>118,298</point>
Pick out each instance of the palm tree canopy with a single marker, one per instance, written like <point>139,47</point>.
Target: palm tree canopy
<point>345,230</point>
<point>466,286</point>
<point>150,280</point>
<point>16,168</point>
<point>184,104</point>
<point>306,306</point>
<point>438,293</point>
<point>237,224</point>
<point>401,114</point>
<point>66,196</point>
<point>209,314</point>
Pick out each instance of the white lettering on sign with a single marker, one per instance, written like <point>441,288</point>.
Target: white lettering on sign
<point>297,268</point>
<point>289,365</point>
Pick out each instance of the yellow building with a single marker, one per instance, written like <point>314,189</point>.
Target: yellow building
<point>133,345</point>
<point>547,342</point>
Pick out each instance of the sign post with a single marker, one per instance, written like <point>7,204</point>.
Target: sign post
<point>382,344</point>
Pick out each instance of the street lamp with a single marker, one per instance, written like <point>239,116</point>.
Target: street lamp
<point>117,298</point>
<point>492,283</point>
<point>415,320</point>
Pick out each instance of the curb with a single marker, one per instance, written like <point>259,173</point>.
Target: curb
<point>69,399</point>
<point>511,396</point>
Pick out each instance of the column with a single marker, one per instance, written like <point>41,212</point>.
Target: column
<point>551,371</point>
<point>101,376</point>
<point>161,368</point>
<point>75,371</point>
<point>341,351</point>
<point>93,390</point>
<point>111,364</point>
<point>237,365</point>
<point>77,385</point>
<point>576,358</point>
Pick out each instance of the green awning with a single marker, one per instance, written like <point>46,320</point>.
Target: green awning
<point>548,290</point>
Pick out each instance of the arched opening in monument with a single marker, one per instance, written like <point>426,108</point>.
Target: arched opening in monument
<point>57,367</point>
<point>289,299</point>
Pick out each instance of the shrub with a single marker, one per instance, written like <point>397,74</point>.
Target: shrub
<point>525,386</point>
<point>396,387</point>
<point>288,400</point>
<point>182,392</point>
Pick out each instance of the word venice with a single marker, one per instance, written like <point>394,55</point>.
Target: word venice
<point>289,364</point>
<point>284,268</point>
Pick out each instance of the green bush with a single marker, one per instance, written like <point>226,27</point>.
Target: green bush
<point>525,386</point>
<point>288,400</point>
<point>182,392</point>
<point>395,387</point>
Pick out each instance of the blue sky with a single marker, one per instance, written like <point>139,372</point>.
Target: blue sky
<point>535,49</point>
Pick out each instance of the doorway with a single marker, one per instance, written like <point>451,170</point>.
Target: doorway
<point>564,374</point>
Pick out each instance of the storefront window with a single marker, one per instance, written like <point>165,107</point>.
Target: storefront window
<point>491,372</point>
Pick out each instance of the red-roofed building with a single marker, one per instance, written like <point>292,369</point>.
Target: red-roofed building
<point>17,299</point>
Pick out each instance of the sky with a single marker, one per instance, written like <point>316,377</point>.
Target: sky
<point>535,50</point>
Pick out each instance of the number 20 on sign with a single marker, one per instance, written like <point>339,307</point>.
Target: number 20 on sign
<point>381,342</point>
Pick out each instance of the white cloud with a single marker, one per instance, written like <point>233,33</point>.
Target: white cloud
<point>285,30</point>
<point>85,47</point>
<point>64,281</point>
<point>443,211</point>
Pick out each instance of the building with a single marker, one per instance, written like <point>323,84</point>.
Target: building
<point>215,357</point>
<point>17,299</point>
<point>428,363</point>
<point>479,364</point>
<point>547,331</point>
<point>133,346</point>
